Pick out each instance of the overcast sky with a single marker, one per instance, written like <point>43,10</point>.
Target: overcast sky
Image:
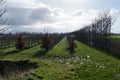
<point>58,15</point>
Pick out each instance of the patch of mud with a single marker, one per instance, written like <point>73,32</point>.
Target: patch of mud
<point>12,68</point>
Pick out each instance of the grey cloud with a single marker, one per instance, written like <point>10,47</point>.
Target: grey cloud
<point>40,13</point>
<point>43,14</point>
<point>29,29</point>
<point>28,16</point>
<point>20,15</point>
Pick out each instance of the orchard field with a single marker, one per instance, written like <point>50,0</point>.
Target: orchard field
<point>85,54</point>
<point>85,63</point>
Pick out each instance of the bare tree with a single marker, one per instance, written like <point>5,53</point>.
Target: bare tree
<point>5,24</point>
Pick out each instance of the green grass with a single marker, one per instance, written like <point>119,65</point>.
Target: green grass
<point>60,48</point>
<point>87,63</point>
<point>115,38</point>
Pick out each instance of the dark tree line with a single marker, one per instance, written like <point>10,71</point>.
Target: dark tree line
<point>25,41</point>
<point>97,34</point>
<point>7,41</point>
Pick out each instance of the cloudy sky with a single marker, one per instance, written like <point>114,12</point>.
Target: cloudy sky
<point>58,15</point>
